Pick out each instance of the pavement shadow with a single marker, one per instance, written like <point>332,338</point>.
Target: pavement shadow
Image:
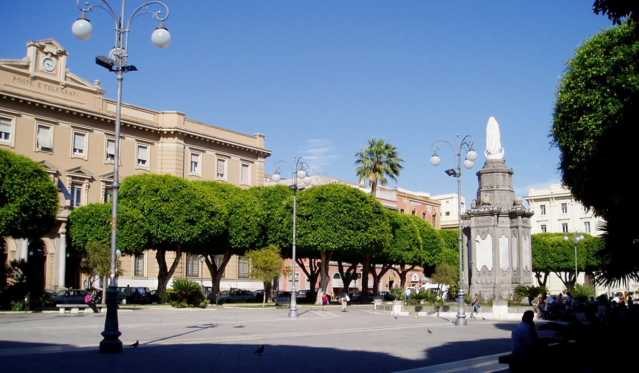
<point>241,358</point>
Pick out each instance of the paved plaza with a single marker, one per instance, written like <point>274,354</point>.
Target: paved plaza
<point>226,339</point>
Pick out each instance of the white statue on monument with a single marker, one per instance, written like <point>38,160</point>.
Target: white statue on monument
<point>494,150</point>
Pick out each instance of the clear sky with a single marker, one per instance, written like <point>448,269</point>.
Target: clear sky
<point>319,78</point>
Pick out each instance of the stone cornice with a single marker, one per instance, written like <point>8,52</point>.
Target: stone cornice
<point>261,152</point>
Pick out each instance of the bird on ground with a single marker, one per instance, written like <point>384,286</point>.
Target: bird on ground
<point>260,350</point>
<point>429,331</point>
<point>135,344</point>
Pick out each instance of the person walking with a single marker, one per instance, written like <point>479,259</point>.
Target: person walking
<point>345,300</point>
<point>525,344</point>
<point>475,305</point>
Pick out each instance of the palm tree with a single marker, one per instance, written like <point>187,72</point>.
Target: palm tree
<point>377,162</point>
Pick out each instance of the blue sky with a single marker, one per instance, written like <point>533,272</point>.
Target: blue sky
<point>320,78</point>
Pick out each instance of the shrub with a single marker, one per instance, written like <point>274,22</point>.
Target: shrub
<point>583,292</point>
<point>397,293</point>
<point>186,293</point>
<point>529,292</point>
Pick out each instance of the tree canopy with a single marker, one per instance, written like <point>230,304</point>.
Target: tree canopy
<point>92,223</point>
<point>595,127</point>
<point>28,197</point>
<point>552,253</point>
<point>617,10</point>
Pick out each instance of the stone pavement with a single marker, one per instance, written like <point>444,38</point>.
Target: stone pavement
<point>226,339</point>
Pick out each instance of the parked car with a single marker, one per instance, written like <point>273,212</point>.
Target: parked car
<point>139,295</point>
<point>237,296</point>
<point>283,298</point>
<point>70,296</point>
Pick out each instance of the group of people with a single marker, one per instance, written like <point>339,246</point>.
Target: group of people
<point>564,306</point>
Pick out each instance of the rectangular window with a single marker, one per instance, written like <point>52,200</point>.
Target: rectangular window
<point>543,209</point>
<point>564,208</point>
<point>138,266</point>
<point>143,155</point>
<point>220,169</point>
<point>45,138</point>
<point>192,265</point>
<point>76,195</point>
<point>79,144</point>
<point>243,267</point>
<point>587,226</point>
<point>245,174</point>
<point>564,227</point>
<point>297,280</point>
<point>6,129</point>
<point>195,164</point>
<point>108,193</point>
<point>544,229</point>
<point>110,150</point>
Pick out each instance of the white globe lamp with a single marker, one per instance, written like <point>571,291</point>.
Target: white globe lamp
<point>161,37</point>
<point>82,29</point>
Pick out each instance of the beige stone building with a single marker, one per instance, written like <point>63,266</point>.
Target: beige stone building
<point>64,122</point>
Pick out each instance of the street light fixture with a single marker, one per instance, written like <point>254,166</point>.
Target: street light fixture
<point>466,144</point>
<point>117,63</point>
<point>576,241</point>
<point>301,179</point>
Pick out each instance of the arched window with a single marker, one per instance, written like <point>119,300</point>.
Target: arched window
<point>336,277</point>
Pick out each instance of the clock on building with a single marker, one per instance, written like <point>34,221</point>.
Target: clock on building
<point>48,64</point>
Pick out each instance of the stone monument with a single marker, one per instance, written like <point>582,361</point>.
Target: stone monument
<point>496,229</point>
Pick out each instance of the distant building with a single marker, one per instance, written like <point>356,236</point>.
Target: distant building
<point>557,211</point>
<point>449,210</point>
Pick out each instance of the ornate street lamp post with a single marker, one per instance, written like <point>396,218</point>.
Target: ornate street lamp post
<point>301,179</point>
<point>576,240</point>
<point>465,144</point>
<point>117,62</point>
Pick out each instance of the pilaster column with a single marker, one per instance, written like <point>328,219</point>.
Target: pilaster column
<point>61,255</point>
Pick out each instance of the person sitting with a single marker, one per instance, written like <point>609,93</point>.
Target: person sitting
<point>525,343</point>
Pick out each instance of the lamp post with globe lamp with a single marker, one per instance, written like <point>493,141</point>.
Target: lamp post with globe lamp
<point>301,179</point>
<point>117,62</point>
<point>465,144</point>
<point>576,239</point>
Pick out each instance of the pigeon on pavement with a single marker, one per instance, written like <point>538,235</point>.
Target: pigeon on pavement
<point>135,344</point>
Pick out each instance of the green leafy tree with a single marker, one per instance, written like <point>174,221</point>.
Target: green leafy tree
<point>266,265</point>
<point>552,253</point>
<point>617,10</point>
<point>28,197</point>
<point>405,249</point>
<point>97,262</point>
<point>338,219</point>
<point>450,247</point>
<point>232,229</point>
<point>175,216</point>
<point>594,127</point>
<point>446,274</point>
<point>378,162</point>
<point>28,205</point>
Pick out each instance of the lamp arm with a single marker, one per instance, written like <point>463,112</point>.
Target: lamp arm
<point>87,7</point>
<point>160,15</point>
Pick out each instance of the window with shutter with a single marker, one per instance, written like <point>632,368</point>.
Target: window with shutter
<point>195,164</point>
<point>6,130</point>
<point>221,169</point>
<point>79,144</point>
<point>110,150</point>
<point>45,138</point>
<point>143,156</point>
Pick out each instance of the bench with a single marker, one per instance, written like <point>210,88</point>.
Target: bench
<point>74,308</point>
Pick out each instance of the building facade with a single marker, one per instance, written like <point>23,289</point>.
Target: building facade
<point>556,211</point>
<point>450,210</point>
<point>64,122</point>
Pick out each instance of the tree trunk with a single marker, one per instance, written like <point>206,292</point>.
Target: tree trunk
<point>324,258</point>
<point>346,276</point>
<point>403,273</point>
<point>374,186</point>
<point>264,294</point>
<point>539,276</point>
<point>312,274</point>
<point>217,272</point>
<point>164,273</point>
<point>377,276</point>
<point>104,287</point>
<point>365,268</point>
<point>568,279</point>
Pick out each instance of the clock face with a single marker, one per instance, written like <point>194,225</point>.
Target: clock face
<point>48,64</point>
